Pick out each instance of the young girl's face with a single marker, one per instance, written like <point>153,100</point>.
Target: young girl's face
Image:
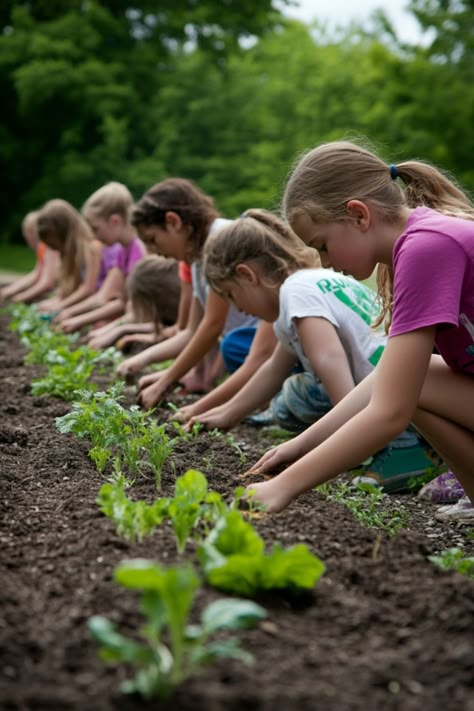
<point>252,297</point>
<point>168,241</point>
<point>342,246</point>
<point>105,230</point>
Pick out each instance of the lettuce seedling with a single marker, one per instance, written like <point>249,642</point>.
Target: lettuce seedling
<point>233,559</point>
<point>454,559</point>
<point>133,519</point>
<point>173,649</point>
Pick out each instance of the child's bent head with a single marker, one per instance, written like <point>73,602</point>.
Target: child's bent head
<point>62,228</point>
<point>154,289</point>
<point>111,199</point>
<point>60,224</point>
<point>182,197</point>
<point>258,238</point>
<point>329,176</point>
<point>29,228</point>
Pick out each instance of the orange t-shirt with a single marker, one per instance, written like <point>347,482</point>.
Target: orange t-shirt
<point>184,271</point>
<point>40,252</point>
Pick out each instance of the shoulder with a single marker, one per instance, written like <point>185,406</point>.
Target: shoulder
<point>430,234</point>
<point>96,248</point>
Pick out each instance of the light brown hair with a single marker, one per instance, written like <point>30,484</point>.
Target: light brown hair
<point>261,238</point>
<point>59,221</point>
<point>325,179</point>
<point>111,199</point>
<point>154,289</point>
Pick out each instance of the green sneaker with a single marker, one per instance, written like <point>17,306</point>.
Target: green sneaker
<point>393,467</point>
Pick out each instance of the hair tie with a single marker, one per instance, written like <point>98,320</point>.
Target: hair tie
<point>393,171</point>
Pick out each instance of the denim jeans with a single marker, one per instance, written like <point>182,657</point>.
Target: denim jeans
<point>303,400</point>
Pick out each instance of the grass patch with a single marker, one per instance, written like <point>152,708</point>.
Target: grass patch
<point>16,258</point>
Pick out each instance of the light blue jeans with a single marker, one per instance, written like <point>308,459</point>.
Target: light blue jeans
<point>303,400</point>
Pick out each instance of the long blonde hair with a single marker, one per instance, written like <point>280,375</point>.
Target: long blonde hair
<point>154,289</point>
<point>111,199</point>
<point>259,237</point>
<point>326,178</point>
<point>61,226</point>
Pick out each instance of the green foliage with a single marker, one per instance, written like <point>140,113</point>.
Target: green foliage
<point>233,559</point>
<point>131,437</point>
<point>363,501</point>
<point>173,649</point>
<point>454,559</point>
<point>134,520</point>
<point>191,506</point>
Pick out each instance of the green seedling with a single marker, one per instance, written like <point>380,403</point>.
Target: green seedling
<point>134,520</point>
<point>173,649</point>
<point>230,439</point>
<point>363,500</point>
<point>454,559</point>
<point>233,559</point>
<point>115,432</point>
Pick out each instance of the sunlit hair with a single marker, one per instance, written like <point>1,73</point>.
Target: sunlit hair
<point>154,288</point>
<point>29,228</point>
<point>196,209</point>
<point>260,238</point>
<point>325,179</point>
<point>111,199</point>
<point>61,227</point>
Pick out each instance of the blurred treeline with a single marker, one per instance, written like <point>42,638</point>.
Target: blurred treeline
<point>226,92</point>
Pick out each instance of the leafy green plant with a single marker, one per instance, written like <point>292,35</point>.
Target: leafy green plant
<point>129,436</point>
<point>363,500</point>
<point>233,559</point>
<point>134,520</point>
<point>172,649</point>
<point>454,559</point>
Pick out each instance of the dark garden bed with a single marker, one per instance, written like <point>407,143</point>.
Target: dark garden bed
<point>393,632</point>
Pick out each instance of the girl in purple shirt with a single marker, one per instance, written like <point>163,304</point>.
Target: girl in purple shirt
<point>418,227</point>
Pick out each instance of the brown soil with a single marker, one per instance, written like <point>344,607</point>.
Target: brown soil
<point>376,635</point>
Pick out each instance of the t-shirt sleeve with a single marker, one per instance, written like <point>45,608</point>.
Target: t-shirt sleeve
<point>429,270</point>
<point>184,271</point>
<point>304,301</point>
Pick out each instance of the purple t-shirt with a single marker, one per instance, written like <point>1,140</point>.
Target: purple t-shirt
<point>130,255</point>
<point>108,260</point>
<point>433,264</point>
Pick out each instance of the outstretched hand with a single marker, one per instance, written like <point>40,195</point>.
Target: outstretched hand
<point>153,393</point>
<point>277,456</point>
<point>217,418</point>
<point>270,494</point>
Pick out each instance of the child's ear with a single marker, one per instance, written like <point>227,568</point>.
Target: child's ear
<point>246,272</point>
<point>359,212</point>
<point>172,219</point>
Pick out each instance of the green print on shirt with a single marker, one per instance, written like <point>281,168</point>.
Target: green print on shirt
<point>358,300</point>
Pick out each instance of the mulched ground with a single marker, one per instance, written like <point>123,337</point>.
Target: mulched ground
<point>376,635</point>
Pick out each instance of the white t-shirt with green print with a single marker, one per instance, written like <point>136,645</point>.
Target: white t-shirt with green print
<point>346,303</point>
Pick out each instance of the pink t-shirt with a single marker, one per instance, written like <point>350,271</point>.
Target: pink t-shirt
<point>108,260</point>
<point>130,255</point>
<point>433,264</point>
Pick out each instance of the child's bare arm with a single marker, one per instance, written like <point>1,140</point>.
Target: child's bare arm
<point>373,413</point>
<point>261,350</point>
<point>264,383</point>
<point>167,349</point>
<point>324,350</point>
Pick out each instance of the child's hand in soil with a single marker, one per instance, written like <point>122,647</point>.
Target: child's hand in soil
<point>131,366</point>
<point>275,457</point>
<point>217,418</point>
<point>269,494</point>
<point>154,393</point>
